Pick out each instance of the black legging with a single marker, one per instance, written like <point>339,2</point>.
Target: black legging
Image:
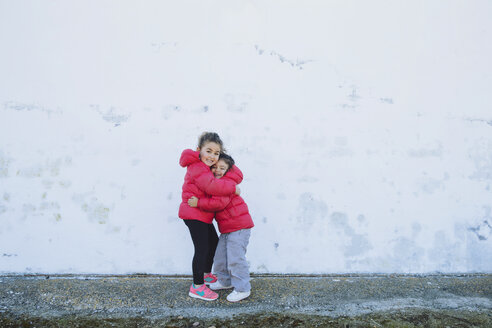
<point>205,241</point>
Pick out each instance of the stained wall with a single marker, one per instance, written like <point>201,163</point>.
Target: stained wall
<point>363,129</point>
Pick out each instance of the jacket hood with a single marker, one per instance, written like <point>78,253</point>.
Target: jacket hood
<point>189,157</point>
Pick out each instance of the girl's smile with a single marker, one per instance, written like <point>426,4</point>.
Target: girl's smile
<point>220,169</point>
<point>209,153</point>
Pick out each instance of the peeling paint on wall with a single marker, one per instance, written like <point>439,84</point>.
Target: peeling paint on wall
<point>237,102</point>
<point>65,184</point>
<point>298,63</point>
<point>112,115</point>
<point>5,162</point>
<point>310,210</point>
<point>358,243</point>
<point>430,185</point>
<point>444,252</point>
<point>49,206</point>
<point>407,253</point>
<point>480,120</point>
<point>387,100</point>
<point>157,46</point>
<point>481,155</point>
<point>94,209</point>
<point>57,217</point>
<point>18,106</point>
<point>168,111</point>
<point>483,230</point>
<point>50,168</point>
<point>425,152</point>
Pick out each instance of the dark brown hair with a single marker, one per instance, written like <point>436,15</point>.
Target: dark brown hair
<point>227,159</point>
<point>210,137</point>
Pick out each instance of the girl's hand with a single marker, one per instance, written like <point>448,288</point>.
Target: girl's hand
<point>238,191</point>
<point>193,201</point>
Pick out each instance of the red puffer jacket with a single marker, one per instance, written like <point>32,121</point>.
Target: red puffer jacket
<point>200,182</point>
<point>231,211</point>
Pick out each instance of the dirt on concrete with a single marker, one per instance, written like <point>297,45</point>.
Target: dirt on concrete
<point>276,301</point>
<point>396,319</point>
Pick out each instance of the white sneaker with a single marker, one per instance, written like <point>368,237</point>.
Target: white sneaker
<point>217,285</point>
<point>237,296</point>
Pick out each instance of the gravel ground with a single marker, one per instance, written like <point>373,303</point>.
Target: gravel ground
<point>332,301</point>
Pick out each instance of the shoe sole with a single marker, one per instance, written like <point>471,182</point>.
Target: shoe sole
<point>220,288</point>
<point>234,301</point>
<point>201,297</point>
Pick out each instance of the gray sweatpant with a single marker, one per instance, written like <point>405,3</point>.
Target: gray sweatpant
<point>230,264</point>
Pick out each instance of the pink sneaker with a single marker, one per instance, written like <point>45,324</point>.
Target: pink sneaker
<point>209,278</point>
<point>203,293</point>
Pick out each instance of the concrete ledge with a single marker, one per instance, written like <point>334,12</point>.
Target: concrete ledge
<point>156,300</point>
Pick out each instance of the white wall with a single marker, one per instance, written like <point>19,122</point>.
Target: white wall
<point>363,128</point>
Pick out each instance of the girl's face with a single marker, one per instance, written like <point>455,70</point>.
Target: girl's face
<point>209,153</point>
<point>220,169</point>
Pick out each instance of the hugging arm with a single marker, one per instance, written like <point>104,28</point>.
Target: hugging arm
<point>210,204</point>
<point>207,183</point>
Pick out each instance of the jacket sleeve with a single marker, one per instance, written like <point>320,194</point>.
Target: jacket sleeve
<point>235,174</point>
<point>206,182</point>
<point>213,204</point>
